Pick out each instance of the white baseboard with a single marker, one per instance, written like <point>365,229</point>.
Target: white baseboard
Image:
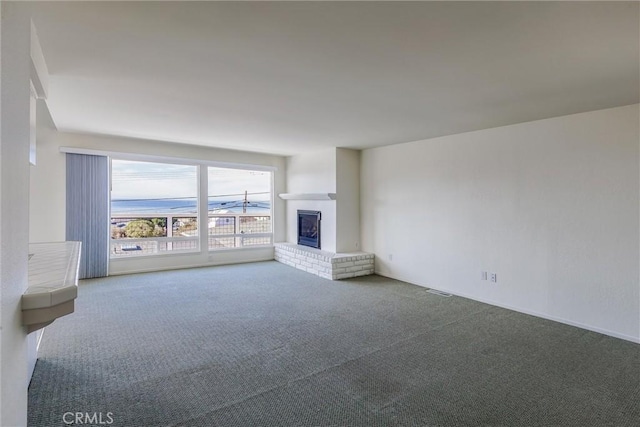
<point>187,266</point>
<point>529,312</point>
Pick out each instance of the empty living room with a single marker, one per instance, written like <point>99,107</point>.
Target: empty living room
<point>311,213</point>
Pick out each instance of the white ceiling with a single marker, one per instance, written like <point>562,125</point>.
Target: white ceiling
<point>291,77</point>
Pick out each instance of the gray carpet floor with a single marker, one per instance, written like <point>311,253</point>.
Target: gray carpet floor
<point>267,345</point>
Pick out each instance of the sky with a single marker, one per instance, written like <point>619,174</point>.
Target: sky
<point>146,180</point>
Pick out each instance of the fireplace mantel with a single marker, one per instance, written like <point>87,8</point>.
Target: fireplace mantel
<point>307,196</point>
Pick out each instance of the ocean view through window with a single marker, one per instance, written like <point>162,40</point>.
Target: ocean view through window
<point>154,208</point>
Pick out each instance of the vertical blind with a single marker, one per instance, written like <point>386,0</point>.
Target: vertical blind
<point>88,211</point>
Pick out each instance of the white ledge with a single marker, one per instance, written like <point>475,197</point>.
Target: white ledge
<point>53,283</point>
<point>308,196</point>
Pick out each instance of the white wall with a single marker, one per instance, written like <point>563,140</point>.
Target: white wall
<point>551,206</point>
<point>347,200</point>
<point>40,225</point>
<point>48,194</point>
<point>14,207</point>
<point>47,207</point>
<point>313,173</point>
<point>333,170</point>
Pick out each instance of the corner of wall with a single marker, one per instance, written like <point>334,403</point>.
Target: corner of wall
<point>15,128</point>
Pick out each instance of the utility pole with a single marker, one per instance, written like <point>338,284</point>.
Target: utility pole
<point>244,204</point>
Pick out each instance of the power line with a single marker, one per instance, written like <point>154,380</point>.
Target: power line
<point>187,197</point>
<point>154,199</point>
<point>240,194</point>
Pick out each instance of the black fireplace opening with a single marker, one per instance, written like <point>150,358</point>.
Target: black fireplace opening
<point>309,228</point>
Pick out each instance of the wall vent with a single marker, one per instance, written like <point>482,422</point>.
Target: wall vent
<point>437,292</point>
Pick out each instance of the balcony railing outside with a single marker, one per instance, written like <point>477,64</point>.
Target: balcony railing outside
<point>172,233</point>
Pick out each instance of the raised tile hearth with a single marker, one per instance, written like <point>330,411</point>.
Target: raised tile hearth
<point>329,265</point>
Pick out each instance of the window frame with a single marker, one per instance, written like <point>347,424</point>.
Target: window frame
<point>202,211</point>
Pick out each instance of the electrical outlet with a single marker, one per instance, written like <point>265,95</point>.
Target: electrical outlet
<point>390,257</point>
<point>494,277</point>
<point>483,275</point>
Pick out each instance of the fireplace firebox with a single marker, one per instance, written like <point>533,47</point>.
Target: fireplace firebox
<point>309,228</point>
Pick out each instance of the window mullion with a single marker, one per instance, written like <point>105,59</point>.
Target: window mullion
<point>203,208</point>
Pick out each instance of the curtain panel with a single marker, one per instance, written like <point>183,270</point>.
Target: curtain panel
<point>88,211</point>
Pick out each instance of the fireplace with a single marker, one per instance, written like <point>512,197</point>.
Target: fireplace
<point>309,228</point>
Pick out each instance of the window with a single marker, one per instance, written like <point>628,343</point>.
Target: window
<point>239,205</point>
<point>154,208</point>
